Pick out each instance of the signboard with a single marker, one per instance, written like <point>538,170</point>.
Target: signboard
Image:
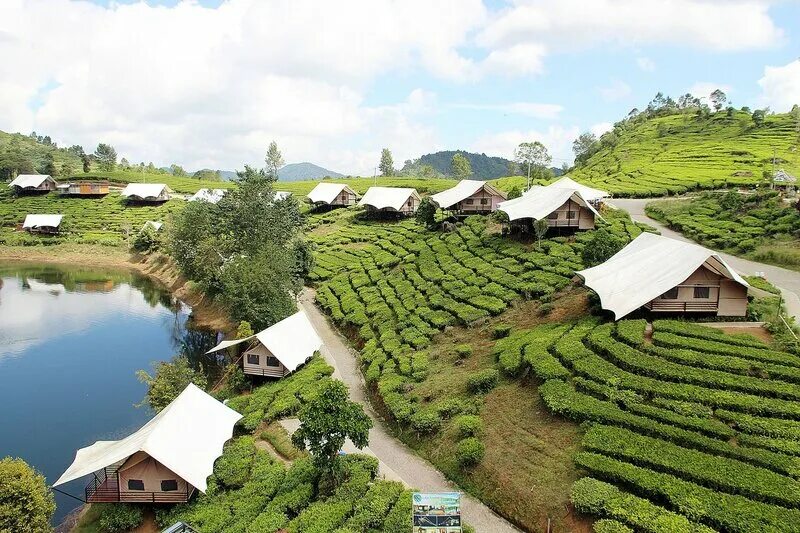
<point>436,512</point>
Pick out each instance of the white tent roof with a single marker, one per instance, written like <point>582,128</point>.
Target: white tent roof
<point>540,202</point>
<point>153,224</point>
<point>388,197</point>
<point>292,341</point>
<point>144,190</point>
<point>186,436</point>
<point>327,192</point>
<point>589,194</point>
<point>463,190</point>
<point>282,195</point>
<point>208,195</point>
<point>25,181</point>
<point>646,268</point>
<point>38,221</point>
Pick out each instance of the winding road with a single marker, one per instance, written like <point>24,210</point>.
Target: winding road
<point>397,460</point>
<point>786,280</point>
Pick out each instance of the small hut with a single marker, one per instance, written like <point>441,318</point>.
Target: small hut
<point>332,195</point>
<point>165,461</point>
<point>49,224</point>
<point>83,188</point>
<point>470,197</point>
<point>562,208</point>
<point>146,193</point>
<point>783,180</point>
<point>208,195</point>
<point>278,350</point>
<point>152,224</point>
<point>665,275</point>
<point>400,201</point>
<point>33,184</point>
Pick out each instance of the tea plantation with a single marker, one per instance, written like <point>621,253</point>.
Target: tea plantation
<point>760,225</point>
<point>692,430</point>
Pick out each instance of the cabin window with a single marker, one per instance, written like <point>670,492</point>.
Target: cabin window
<point>168,485</point>
<point>702,292</point>
<point>484,201</point>
<point>671,294</point>
<point>135,484</point>
<point>553,216</point>
<point>273,361</point>
<point>410,202</point>
<point>571,214</point>
<point>252,359</point>
<point>469,201</point>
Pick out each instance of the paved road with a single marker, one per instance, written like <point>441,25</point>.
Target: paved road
<point>787,280</point>
<point>403,462</point>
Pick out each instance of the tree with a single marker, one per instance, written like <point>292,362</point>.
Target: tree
<point>124,164</point>
<point>426,213</point>
<point>718,99</point>
<point>86,161</point>
<point>532,156</point>
<point>26,504</point>
<point>207,175</point>
<point>584,145</point>
<point>169,380</point>
<point>177,171</point>
<point>67,169</point>
<point>460,167</point>
<point>515,192</point>
<point>540,227</point>
<point>274,160</point>
<point>600,247</point>
<point>386,166</point>
<point>106,157</point>
<point>50,165</point>
<point>326,421</point>
<point>759,116</point>
<point>687,101</point>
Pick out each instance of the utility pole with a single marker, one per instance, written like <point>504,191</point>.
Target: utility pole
<point>375,175</point>
<point>774,156</point>
<point>529,176</point>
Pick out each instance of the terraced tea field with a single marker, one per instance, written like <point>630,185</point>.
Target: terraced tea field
<point>692,430</point>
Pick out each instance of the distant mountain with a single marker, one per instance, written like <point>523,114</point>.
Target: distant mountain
<point>227,175</point>
<point>484,167</point>
<point>305,171</point>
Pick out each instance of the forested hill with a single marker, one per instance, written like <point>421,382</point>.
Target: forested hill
<point>652,154</point>
<point>484,167</point>
<point>21,154</point>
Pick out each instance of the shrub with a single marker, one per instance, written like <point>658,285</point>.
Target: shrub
<point>483,381</point>
<point>501,331</point>
<point>610,526</point>
<point>267,521</point>
<point>469,425</point>
<point>469,452</point>
<point>26,504</point>
<point>169,380</point>
<point>232,469</point>
<point>426,421</point>
<point>463,351</point>
<point>118,517</point>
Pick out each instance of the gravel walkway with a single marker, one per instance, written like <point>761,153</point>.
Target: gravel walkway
<point>400,460</point>
<point>786,280</point>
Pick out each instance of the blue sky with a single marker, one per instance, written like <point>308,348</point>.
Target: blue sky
<point>210,83</point>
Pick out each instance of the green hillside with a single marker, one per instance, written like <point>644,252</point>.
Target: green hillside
<point>679,152</point>
<point>22,154</point>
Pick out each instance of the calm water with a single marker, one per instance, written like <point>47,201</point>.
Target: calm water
<point>71,341</point>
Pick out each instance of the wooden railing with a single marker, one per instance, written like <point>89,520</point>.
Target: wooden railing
<point>276,372</point>
<point>678,306</point>
<point>104,488</point>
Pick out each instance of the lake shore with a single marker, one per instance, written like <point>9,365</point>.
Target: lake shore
<point>205,313</point>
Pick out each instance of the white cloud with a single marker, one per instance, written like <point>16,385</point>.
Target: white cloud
<point>557,139</point>
<point>617,90</point>
<point>703,89</point>
<point>515,60</point>
<point>212,87</point>
<point>601,128</point>
<point>780,86</point>
<point>528,109</point>
<point>646,64</point>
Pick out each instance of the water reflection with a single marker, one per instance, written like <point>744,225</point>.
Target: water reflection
<point>71,341</point>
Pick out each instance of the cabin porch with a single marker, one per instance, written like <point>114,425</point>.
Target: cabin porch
<point>105,488</point>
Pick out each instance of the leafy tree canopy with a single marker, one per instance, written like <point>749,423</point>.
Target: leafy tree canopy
<point>460,167</point>
<point>26,504</point>
<point>386,166</point>
<point>169,380</point>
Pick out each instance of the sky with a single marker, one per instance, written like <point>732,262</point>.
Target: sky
<point>208,84</point>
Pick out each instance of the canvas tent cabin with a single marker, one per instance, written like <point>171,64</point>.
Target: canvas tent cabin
<point>590,194</point>
<point>278,350</point>
<point>282,195</point>
<point>83,188</point>
<point>665,275</point>
<point>470,197</point>
<point>208,195</point>
<point>33,184</point>
<point>50,224</point>
<point>562,208</point>
<point>783,180</point>
<point>395,200</point>
<point>152,224</point>
<point>165,461</point>
<point>332,195</point>
<point>146,193</point>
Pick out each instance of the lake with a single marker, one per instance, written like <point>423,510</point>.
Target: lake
<point>71,341</point>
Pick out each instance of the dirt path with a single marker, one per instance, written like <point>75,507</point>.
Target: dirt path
<point>409,467</point>
<point>786,280</point>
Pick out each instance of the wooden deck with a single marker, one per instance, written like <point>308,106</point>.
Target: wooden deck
<point>104,488</point>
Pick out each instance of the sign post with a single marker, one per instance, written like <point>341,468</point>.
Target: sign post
<point>436,512</point>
